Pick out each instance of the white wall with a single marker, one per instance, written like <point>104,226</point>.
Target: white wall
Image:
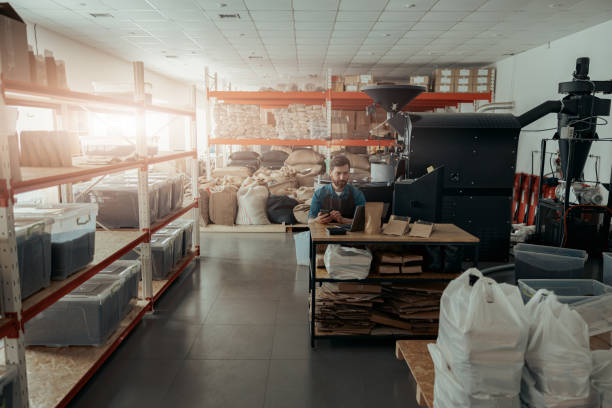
<point>532,77</point>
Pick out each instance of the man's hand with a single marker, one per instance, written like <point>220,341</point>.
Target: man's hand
<point>324,218</point>
<point>336,216</point>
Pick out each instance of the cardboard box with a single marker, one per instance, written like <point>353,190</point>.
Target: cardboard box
<point>444,72</point>
<point>467,81</point>
<point>464,72</point>
<point>352,79</point>
<point>366,79</point>
<point>444,88</point>
<point>481,72</point>
<point>351,88</point>
<point>483,88</point>
<point>422,80</point>
<point>14,59</point>
<point>51,69</point>
<point>463,88</point>
<point>337,86</point>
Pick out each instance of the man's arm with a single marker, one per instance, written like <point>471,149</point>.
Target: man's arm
<point>315,210</point>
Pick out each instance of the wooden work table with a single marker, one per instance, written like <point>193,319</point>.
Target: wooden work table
<point>442,235</point>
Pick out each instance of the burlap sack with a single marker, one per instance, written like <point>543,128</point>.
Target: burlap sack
<point>305,156</point>
<point>373,218</point>
<point>252,203</point>
<point>304,194</point>
<point>300,212</point>
<point>358,161</point>
<point>285,188</point>
<point>222,206</point>
<point>243,172</point>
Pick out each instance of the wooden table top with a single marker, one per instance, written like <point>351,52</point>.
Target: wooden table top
<point>444,233</point>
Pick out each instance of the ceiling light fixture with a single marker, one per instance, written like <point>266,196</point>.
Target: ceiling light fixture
<point>410,5</point>
<point>221,5</point>
<point>101,15</point>
<point>235,15</point>
<point>171,56</point>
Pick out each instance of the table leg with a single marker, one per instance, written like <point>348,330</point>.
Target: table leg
<point>313,290</point>
<point>476,255</point>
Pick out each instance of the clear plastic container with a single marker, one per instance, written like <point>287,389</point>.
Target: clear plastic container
<point>596,313</point>
<point>10,391</point>
<point>118,203</point>
<point>187,227</point>
<point>128,272</point>
<point>162,254</point>
<point>567,290</point>
<point>177,242</point>
<point>607,268</point>
<point>545,262</point>
<point>85,317</point>
<point>178,191</point>
<point>164,187</point>
<point>34,255</point>
<point>73,234</point>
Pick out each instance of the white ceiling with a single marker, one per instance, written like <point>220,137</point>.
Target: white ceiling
<point>284,40</point>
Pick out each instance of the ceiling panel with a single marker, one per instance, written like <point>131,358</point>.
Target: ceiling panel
<point>445,16</point>
<point>268,4</point>
<point>230,5</point>
<point>314,25</point>
<point>344,15</point>
<point>167,5</point>
<point>458,5</point>
<point>315,4</point>
<point>353,25</point>
<point>433,26</point>
<point>362,5</point>
<point>324,16</point>
<point>401,16</point>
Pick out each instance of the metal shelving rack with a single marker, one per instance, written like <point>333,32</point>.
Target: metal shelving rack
<point>110,245</point>
<point>332,101</point>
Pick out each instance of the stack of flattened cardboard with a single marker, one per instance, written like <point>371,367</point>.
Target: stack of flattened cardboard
<point>414,306</point>
<point>391,263</point>
<point>346,308</point>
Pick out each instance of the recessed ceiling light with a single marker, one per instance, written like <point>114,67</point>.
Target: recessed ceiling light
<point>387,35</point>
<point>171,56</point>
<point>229,16</point>
<point>410,5</point>
<point>221,5</point>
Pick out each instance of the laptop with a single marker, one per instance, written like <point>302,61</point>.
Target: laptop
<point>358,220</point>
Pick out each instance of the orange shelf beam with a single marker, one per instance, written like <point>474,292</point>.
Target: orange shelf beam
<point>269,99</point>
<point>304,142</point>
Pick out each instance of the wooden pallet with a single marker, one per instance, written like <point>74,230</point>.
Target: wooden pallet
<point>254,228</point>
<point>416,355</point>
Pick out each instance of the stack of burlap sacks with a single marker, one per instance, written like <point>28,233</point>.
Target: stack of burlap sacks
<point>300,121</point>
<point>235,196</point>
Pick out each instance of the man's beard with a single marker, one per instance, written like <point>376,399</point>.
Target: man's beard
<point>339,184</point>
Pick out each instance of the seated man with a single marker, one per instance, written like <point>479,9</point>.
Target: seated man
<point>336,202</point>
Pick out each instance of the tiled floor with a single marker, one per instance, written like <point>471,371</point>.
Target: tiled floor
<point>233,333</point>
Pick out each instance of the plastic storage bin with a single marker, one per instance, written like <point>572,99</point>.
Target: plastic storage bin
<point>178,191</point>
<point>177,242</point>
<point>607,268</point>
<point>85,317</point>
<point>302,248</point>
<point>187,227</point>
<point>10,391</point>
<point>128,272</point>
<point>567,290</point>
<point>164,193</point>
<point>118,203</point>
<point>34,255</point>
<point>544,262</point>
<point>73,234</point>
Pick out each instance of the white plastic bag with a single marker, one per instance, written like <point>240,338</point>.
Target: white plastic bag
<point>449,393</point>
<point>531,397</point>
<point>347,263</point>
<point>558,358</point>
<point>483,334</point>
<point>601,377</point>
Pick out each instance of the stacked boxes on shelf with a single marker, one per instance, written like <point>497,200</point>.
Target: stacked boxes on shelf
<point>420,80</point>
<point>464,80</point>
<point>355,83</point>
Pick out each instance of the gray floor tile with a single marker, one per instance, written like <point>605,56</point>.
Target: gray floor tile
<point>188,307</point>
<point>159,339</point>
<point>242,311</point>
<point>128,383</point>
<point>233,342</point>
<point>253,289</point>
<point>219,383</point>
<point>291,342</point>
<point>292,312</point>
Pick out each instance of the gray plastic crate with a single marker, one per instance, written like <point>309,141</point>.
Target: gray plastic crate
<point>118,203</point>
<point>162,250</point>
<point>607,268</point>
<point>85,317</point>
<point>10,391</point>
<point>128,272</point>
<point>178,191</point>
<point>187,227</point>
<point>177,242</point>
<point>567,290</point>
<point>34,255</point>
<point>544,262</point>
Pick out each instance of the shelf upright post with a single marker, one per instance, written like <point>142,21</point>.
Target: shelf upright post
<point>9,269</point>
<point>62,123</point>
<point>195,172</point>
<point>208,118</point>
<point>143,182</point>
<point>328,106</point>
